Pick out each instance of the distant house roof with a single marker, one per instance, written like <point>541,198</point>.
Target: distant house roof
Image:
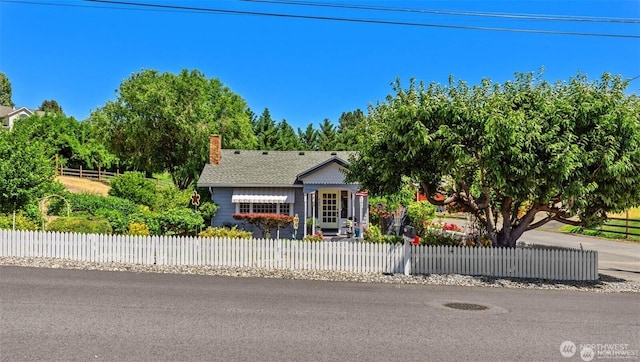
<point>266,168</point>
<point>8,111</point>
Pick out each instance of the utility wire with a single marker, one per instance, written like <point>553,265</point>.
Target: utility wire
<point>354,20</point>
<point>176,8</point>
<point>455,13</point>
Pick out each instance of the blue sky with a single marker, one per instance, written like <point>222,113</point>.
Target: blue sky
<point>303,70</point>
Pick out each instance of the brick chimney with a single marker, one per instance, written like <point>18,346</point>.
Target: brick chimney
<point>215,149</point>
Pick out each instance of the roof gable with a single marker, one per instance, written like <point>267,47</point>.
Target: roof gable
<point>252,168</point>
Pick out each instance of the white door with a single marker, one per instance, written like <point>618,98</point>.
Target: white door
<point>328,209</point>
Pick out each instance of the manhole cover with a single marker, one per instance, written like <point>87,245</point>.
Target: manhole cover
<point>466,306</point>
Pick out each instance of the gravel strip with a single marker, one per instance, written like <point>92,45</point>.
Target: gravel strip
<point>606,284</point>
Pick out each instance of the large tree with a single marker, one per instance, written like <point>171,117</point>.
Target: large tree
<point>5,91</point>
<point>516,155</point>
<point>72,141</point>
<point>162,121</point>
<point>26,173</point>
<point>351,131</point>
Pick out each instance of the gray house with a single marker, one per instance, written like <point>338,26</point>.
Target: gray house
<point>309,184</point>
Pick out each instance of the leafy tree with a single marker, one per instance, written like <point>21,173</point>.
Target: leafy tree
<point>26,173</point>
<point>5,91</point>
<point>557,150</point>
<point>73,141</point>
<point>162,122</point>
<point>326,136</point>
<point>266,132</point>
<point>50,106</point>
<point>133,186</point>
<point>287,139</point>
<point>351,130</point>
<point>308,138</point>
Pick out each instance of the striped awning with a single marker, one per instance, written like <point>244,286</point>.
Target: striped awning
<point>263,196</point>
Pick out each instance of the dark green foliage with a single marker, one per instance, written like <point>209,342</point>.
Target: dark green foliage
<point>351,131</point>
<point>92,203</point>
<point>26,173</point>
<point>162,122</point>
<point>420,212</point>
<point>5,91</point>
<point>178,222</point>
<point>558,150</point>
<point>265,130</point>
<point>133,186</point>
<point>80,224</point>
<point>50,106</point>
<point>118,221</point>
<point>208,211</point>
<point>437,238</point>
<point>287,139</point>
<point>72,141</point>
<point>326,136</point>
<point>170,197</point>
<point>309,138</point>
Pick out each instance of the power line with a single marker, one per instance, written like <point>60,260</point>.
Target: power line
<point>455,13</point>
<point>176,8</point>
<point>354,20</point>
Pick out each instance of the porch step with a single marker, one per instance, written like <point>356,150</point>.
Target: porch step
<point>330,232</point>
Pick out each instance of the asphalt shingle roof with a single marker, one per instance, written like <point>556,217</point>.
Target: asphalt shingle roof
<point>268,168</point>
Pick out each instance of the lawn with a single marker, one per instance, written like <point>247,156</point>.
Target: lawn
<point>619,226</point>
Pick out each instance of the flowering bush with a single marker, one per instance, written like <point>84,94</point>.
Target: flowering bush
<point>317,237</point>
<point>437,226</point>
<point>266,222</point>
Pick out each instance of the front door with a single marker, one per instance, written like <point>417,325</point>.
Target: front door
<point>328,209</point>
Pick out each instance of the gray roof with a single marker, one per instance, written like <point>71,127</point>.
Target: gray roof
<point>265,168</point>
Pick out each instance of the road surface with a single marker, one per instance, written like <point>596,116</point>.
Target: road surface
<point>74,315</point>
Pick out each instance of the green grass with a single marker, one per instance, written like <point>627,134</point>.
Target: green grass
<point>611,225</point>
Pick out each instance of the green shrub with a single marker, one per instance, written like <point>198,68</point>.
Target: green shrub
<point>208,210</point>
<point>170,197</point>
<point>91,203</point>
<point>372,234</point>
<point>232,233</point>
<point>118,221</point>
<point>133,186</point>
<point>138,228</point>
<point>177,221</point>
<point>437,238</point>
<point>80,224</point>
<point>420,212</point>
<point>23,222</point>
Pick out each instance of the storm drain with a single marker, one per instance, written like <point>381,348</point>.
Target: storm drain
<point>466,306</point>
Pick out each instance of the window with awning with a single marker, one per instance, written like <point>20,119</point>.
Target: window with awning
<point>263,196</point>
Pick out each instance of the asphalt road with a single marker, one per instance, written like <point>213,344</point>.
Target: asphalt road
<point>72,315</point>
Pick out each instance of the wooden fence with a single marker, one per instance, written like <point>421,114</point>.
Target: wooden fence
<point>349,256</point>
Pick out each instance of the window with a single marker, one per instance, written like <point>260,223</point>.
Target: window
<point>246,208</point>
<point>265,208</point>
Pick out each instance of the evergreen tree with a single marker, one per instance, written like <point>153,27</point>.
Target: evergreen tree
<point>5,91</point>
<point>309,138</point>
<point>327,136</point>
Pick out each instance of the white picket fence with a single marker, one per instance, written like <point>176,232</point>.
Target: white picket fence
<point>296,254</point>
